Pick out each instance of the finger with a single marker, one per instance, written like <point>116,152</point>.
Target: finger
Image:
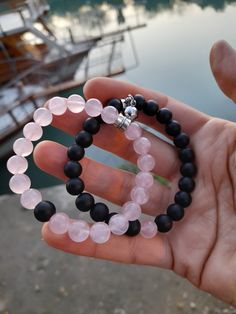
<point>106,88</point>
<point>113,140</point>
<point>223,65</point>
<point>107,182</point>
<point>137,250</point>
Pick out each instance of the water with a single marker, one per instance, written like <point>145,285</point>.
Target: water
<point>173,53</point>
<point>174,48</point>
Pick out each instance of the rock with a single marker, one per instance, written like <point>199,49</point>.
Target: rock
<point>180,305</point>
<point>37,288</point>
<point>185,295</point>
<point>119,311</point>
<point>57,272</point>
<point>63,291</point>
<point>193,306</point>
<point>3,305</point>
<point>206,310</point>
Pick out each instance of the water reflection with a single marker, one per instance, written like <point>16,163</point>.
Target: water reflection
<point>174,47</point>
<point>99,13</point>
<point>60,6</point>
<point>156,6</point>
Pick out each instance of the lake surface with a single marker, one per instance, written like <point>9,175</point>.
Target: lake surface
<point>174,48</point>
<point>173,52</point>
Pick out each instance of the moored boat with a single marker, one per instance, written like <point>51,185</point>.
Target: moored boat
<point>35,64</point>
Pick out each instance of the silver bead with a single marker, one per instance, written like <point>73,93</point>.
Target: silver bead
<point>131,112</point>
<point>128,101</point>
<point>122,122</point>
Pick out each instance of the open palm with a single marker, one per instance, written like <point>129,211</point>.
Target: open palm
<point>202,247</point>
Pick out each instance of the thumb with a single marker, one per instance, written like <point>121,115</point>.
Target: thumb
<point>223,66</point>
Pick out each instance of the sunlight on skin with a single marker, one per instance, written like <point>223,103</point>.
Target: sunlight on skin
<point>223,65</point>
<point>202,247</point>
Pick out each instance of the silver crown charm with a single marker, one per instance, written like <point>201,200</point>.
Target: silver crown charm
<point>130,113</point>
<point>128,101</point>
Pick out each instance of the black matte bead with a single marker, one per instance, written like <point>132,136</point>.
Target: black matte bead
<point>181,140</point>
<point>186,184</point>
<point>44,211</point>
<point>164,223</point>
<point>75,186</point>
<point>183,199</point>
<point>99,119</point>
<point>109,217</point>
<point>164,116</point>
<point>115,102</point>
<point>134,228</point>
<point>84,202</point>
<point>140,101</point>
<point>186,155</point>
<point>84,139</point>
<point>188,169</point>
<point>91,125</point>
<point>173,128</point>
<point>175,211</point>
<point>99,212</point>
<point>72,169</point>
<point>75,152</point>
<point>151,107</point>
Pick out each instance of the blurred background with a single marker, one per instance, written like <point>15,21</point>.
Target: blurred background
<point>52,48</point>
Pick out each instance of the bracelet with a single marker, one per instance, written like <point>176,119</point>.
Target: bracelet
<point>121,113</point>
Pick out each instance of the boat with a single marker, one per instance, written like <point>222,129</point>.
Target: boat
<point>36,64</point>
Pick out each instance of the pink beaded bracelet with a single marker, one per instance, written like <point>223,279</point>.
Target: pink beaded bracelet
<point>122,114</point>
<point>59,223</point>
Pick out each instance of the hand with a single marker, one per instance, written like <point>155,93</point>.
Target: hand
<point>202,247</point>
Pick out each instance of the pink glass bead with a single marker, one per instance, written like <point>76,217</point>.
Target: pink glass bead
<point>142,145</point>
<point>133,131</point>
<point>78,231</point>
<point>146,163</point>
<point>139,195</point>
<point>32,131</point>
<point>23,147</point>
<point>57,105</point>
<point>148,229</point>
<point>109,114</point>
<point>43,116</point>
<point>75,103</point>
<point>30,198</point>
<point>118,224</point>
<point>131,211</point>
<point>100,232</point>
<point>93,107</point>
<point>59,223</point>
<point>17,164</point>
<point>19,183</point>
<point>144,180</point>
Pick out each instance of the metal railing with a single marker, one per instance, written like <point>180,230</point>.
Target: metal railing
<point>25,12</point>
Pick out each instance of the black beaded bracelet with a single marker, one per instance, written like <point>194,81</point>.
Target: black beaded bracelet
<point>121,113</point>
<point>99,212</point>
